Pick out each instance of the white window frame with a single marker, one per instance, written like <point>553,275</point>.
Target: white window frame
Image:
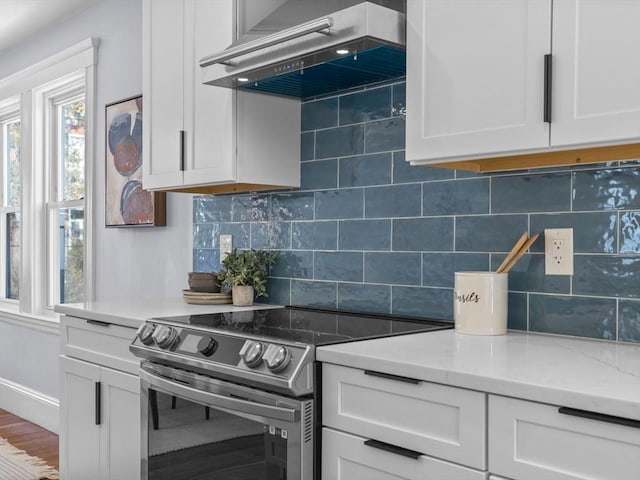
<point>9,113</point>
<point>53,96</point>
<point>37,86</point>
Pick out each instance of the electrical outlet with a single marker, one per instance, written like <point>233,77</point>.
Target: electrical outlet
<point>225,245</point>
<point>558,251</point>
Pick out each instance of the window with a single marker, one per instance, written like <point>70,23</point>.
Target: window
<point>66,199</point>
<point>10,201</point>
<point>45,203</point>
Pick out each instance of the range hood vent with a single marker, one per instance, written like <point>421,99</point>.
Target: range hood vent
<point>360,43</point>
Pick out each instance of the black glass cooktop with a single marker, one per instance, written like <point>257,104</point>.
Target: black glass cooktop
<point>310,325</point>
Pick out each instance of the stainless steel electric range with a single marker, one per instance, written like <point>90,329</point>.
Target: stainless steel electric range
<point>235,395</point>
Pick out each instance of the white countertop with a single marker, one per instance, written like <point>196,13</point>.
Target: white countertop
<point>132,313</point>
<point>590,375</point>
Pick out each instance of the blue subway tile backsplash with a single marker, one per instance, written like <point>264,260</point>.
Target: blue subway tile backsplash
<point>593,232</point>
<point>365,235</point>
<point>392,268</point>
<point>423,234</point>
<point>337,266</point>
<point>340,141</point>
<point>365,106</point>
<point>363,170</point>
<point>607,189</point>
<point>392,201</point>
<point>456,197</point>
<point>571,315</point>
<point>521,193</point>
<point>369,232</point>
<point>319,174</point>
<point>314,235</point>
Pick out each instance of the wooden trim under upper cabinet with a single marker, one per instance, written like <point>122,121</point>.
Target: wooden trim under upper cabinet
<point>227,188</point>
<point>546,159</point>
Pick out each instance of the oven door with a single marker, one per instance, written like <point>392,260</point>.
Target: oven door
<point>198,427</point>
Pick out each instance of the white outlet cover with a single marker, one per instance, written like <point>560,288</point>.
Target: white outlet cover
<point>225,245</point>
<point>558,251</point>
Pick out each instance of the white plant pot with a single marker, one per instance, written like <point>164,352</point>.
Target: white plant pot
<point>242,295</point>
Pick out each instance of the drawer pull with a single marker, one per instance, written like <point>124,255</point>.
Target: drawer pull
<point>601,417</point>
<point>98,397</point>
<point>387,447</point>
<point>182,145</point>
<point>98,322</point>
<point>547,88</point>
<point>389,376</point>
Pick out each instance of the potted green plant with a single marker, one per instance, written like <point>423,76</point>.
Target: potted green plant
<point>245,272</point>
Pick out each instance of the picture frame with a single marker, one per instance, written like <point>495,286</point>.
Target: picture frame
<point>127,204</point>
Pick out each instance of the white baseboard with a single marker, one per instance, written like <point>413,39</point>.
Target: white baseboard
<point>30,405</point>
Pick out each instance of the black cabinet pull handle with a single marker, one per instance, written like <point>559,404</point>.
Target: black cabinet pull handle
<point>98,403</point>
<point>387,447</point>
<point>182,145</point>
<point>547,87</point>
<point>390,376</point>
<point>601,417</point>
<point>99,323</point>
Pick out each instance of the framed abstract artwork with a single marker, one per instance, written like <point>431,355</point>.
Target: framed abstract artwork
<point>127,204</point>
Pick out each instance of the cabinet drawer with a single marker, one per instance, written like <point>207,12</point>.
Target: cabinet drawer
<point>347,457</point>
<point>435,420</point>
<point>529,440</point>
<point>104,344</point>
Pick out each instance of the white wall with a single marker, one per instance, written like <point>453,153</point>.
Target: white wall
<point>131,262</point>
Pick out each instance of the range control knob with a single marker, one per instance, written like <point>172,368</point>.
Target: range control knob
<point>277,358</point>
<point>165,336</point>
<point>207,346</point>
<point>251,353</point>
<point>146,333</point>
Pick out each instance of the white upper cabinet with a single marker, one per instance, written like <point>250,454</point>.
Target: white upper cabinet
<point>198,136</point>
<point>476,76</point>
<point>596,71</point>
<point>163,91</point>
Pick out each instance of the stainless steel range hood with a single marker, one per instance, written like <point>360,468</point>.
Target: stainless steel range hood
<point>307,48</point>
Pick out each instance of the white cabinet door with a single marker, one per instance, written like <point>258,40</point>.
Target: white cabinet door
<point>79,434</point>
<point>532,441</point>
<point>347,457</point>
<point>198,135</point>
<point>120,429</point>
<point>475,77</point>
<point>209,112</point>
<point>100,422</point>
<point>163,92</point>
<point>596,71</point>
<point>436,420</point>
<point>189,127</point>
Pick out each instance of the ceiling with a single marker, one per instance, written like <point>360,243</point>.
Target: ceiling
<point>20,19</point>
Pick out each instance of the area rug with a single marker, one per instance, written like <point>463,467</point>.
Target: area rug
<point>16,464</point>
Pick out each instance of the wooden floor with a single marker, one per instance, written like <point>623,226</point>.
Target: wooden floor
<point>29,437</point>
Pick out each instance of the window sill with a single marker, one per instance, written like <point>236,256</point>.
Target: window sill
<point>47,323</point>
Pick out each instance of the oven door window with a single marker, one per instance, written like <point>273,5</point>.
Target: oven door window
<point>190,441</point>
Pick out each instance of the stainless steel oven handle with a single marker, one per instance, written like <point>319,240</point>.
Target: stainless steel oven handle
<point>216,400</point>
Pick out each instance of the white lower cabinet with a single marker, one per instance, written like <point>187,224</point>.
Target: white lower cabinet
<point>99,405</point>
<point>381,426</point>
<point>79,437</point>
<point>399,416</point>
<point>348,457</point>
<point>533,441</point>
